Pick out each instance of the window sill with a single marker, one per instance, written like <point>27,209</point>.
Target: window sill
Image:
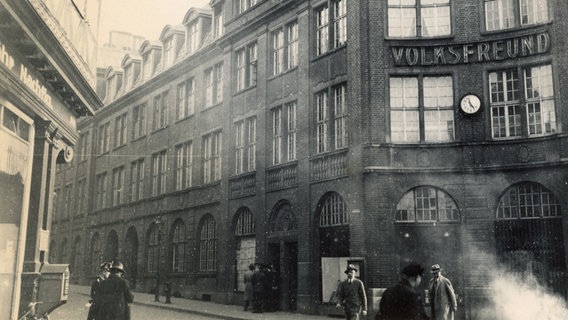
<point>139,138</point>
<point>330,52</point>
<point>285,72</point>
<point>184,118</point>
<point>527,29</point>
<point>159,129</point>
<point>241,91</point>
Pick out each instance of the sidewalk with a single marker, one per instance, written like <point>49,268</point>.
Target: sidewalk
<point>211,309</point>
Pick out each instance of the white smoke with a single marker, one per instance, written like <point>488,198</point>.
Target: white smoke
<point>523,298</point>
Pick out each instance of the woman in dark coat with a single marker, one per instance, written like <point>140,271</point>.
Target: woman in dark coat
<point>114,295</point>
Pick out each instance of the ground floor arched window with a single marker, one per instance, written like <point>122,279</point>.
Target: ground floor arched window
<point>529,235</point>
<point>427,225</point>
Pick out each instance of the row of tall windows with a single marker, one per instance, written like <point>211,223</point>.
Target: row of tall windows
<point>246,66</point>
<point>331,118</point>
<point>245,145</point>
<point>331,26</point>
<point>432,18</point>
<point>284,133</point>
<point>521,104</point>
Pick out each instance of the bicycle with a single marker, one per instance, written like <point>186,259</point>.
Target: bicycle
<point>30,313</point>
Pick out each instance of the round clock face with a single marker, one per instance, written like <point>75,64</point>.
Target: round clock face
<point>470,104</point>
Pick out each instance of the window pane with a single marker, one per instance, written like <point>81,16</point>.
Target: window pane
<point>436,19</point>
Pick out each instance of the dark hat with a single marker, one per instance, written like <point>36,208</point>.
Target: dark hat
<point>351,267</point>
<point>116,265</point>
<point>435,268</point>
<point>413,269</point>
<point>104,266</point>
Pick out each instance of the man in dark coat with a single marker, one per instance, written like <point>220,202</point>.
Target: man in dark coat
<point>114,295</point>
<point>401,302</point>
<point>258,289</point>
<point>103,273</point>
<point>351,295</point>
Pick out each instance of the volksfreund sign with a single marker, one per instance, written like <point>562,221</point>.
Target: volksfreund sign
<point>511,48</point>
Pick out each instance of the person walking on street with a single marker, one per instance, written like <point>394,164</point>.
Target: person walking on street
<point>258,289</point>
<point>114,295</point>
<point>443,303</point>
<point>351,295</point>
<point>401,302</point>
<point>102,274</point>
<point>248,286</point>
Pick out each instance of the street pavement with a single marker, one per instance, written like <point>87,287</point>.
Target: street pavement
<point>205,308</point>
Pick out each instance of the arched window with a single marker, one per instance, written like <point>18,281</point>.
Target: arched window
<point>333,212</point>
<point>75,256</point>
<point>178,247</point>
<point>529,235</point>
<point>208,245</point>
<point>153,257</point>
<point>334,239</point>
<point>245,223</point>
<point>111,248</point>
<point>285,220</point>
<point>426,204</point>
<point>96,253</point>
<point>245,244</point>
<point>64,252</point>
<point>528,200</point>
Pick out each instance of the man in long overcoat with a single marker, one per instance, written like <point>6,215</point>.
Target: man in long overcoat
<point>443,303</point>
<point>114,295</point>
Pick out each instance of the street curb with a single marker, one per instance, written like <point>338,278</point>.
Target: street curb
<point>170,307</point>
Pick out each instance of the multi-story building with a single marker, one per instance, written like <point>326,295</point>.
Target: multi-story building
<point>46,84</point>
<point>312,134</point>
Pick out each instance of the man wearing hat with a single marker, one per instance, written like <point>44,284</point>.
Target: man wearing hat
<point>102,274</point>
<point>114,295</point>
<point>351,295</point>
<point>401,301</point>
<point>443,302</point>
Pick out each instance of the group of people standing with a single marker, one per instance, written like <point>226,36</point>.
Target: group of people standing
<point>110,294</point>
<point>261,288</point>
<point>401,301</point>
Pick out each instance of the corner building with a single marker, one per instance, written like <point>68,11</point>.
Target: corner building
<point>312,134</point>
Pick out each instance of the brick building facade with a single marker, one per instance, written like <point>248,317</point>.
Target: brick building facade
<point>310,134</point>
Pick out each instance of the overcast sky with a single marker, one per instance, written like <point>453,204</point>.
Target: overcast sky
<point>146,18</point>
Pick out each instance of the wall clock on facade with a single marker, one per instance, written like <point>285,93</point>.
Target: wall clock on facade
<point>470,104</point>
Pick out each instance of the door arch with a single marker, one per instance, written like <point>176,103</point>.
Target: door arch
<point>427,223</point>
<point>529,235</point>
<point>282,253</point>
<point>131,256</point>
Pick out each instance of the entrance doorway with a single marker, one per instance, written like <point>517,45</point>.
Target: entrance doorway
<point>284,257</point>
<point>433,244</point>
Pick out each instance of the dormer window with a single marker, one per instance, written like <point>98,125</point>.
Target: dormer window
<point>244,5</point>
<point>172,38</point>
<point>169,52</point>
<point>131,67</point>
<point>147,65</point>
<point>151,55</point>
<point>114,81</point>
<point>218,28</point>
<point>192,37</point>
<point>128,78</point>
<point>111,88</point>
